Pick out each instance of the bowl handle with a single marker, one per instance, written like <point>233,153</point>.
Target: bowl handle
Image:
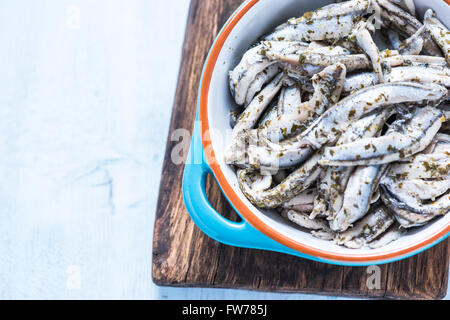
<point>240,234</point>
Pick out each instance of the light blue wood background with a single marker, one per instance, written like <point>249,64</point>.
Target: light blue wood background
<point>86,93</point>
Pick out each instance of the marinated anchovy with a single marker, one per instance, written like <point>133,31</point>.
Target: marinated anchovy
<point>267,154</point>
<point>328,127</point>
<point>269,114</point>
<point>411,212</point>
<point>422,74</point>
<point>357,197</point>
<point>288,111</point>
<point>241,77</point>
<point>330,22</point>
<point>304,63</point>
<point>395,60</point>
<point>260,80</point>
<point>303,220</point>
<point>309,63</point>
<point>248,118</point>
<point>293,185</point>
<point>408,5</point>
<point>330,191</point>
<point>347,43</point>
<point>439,32</point>
<point>420,188</point>
<point>366,43</point>
<point>414,44</point>
<point>406,23</point>
<point>359,81</point>
<point>377,221</point>
<point>392,234</point>
<point>395,145</point>
<point>301,203</point>
<point>290,99</point>
<point>329,50</point>
<point>431,166</point>
<point>295,116</point>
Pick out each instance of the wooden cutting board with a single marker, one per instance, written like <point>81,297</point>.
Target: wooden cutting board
<point>184,256</point>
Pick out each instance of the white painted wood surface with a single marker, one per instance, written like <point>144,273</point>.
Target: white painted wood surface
<point>86,93</point>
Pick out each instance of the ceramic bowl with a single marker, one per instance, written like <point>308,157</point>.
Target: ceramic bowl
<point>266,229</point>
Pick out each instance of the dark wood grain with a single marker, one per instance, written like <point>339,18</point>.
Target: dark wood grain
<point>184,256</point>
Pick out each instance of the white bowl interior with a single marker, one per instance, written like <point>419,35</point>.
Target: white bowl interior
<point>263,17</point>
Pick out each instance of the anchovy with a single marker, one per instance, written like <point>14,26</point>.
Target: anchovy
<point>414,44</point>
<point>293,185</point>
<point>415,60</point>
<point>422,166</point>
<point>406,23</point>
<point>260,80</point>
<point>375,223</point>
<point>330,22</point>
<point>303,220</point>
<point>248,119</point>
<point>408,5</point>
<point>302,202</point>
<point>308,63</point>
<point>268,154</point>
<point>395,145</point>
<point>312,135</point>
<point>357,197</point>
<point>269,114</point>
<point>243,75</point>
<point>295,116</point>
<point>438,32</point>
<point>287,113</point>
<point>420,74</point>
<point>290,99</point>
<point>366,43</point>
<point>359,81</point>
<point>323,234</point>
<point>414,212</point>
<point>347,43</point>
<point>330,191</point>
<point>327,128</point>
<point>392,234</point>
<point>303,64</point>
<point>420,188</point>
<point>328,50</point>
